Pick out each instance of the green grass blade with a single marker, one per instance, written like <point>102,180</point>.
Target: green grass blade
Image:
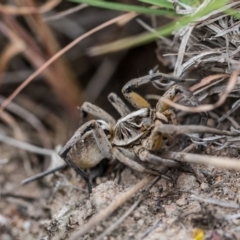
<point>190,2</point>
<point>131,41</point>
<point>159,3</point>
<point>127,7</point>
<point>163,31</point>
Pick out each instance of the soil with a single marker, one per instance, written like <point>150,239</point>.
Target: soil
<point>176,209</point>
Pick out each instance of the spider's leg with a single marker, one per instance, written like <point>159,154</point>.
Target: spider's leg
<point>134,98</point>
<point>102,141</point>
<point>170,94</point>
<point>146,156</point>
<point>118,104</point>
<point>88,108</point>
<point>131,163</point>
<point>131,96</point>
<point>169,113</point>
<point>163,108</point>
<point>83,174</point>
<point>139,102</point>
<point>72,142</point>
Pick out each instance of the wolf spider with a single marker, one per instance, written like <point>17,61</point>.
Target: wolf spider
<point>135,136</point>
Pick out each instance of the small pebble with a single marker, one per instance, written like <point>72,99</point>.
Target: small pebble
<point>181,201</point>
<point>204,186</point>
<point>236,221</point>
<point>140,222</point>
<point>170,209</point>
<point>137,215</point>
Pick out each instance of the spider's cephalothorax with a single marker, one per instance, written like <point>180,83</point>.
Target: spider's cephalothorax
<point>132,127</point>
<point>134,136</point>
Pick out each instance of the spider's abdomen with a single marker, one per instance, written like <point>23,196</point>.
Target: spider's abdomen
<point>85,153</point>
<point>132,127</point>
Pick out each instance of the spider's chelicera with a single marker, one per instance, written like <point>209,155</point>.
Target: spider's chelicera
<point>135,136</point>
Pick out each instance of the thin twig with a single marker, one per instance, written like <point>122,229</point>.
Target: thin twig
<point>17,10</point>
<point>43,174</point>
<point>27,146</point>
<point>129,211</point>
<point>58,54</point>
<point>207,107</point>
<point>222,162</point>
<point>229,204</point>
<point>181,51</point>
<point>149,230</point>
<point>120,200</point>
<point>184,129</point>
<point>65,13</point>
<point>12,195</point>
<point>235,106</point>
<point>233,216</point>
<point>31,119</point>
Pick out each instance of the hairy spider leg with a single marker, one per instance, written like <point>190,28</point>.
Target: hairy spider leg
<point>131,96</point>
<point>99,113</point>
<point>146,156</point>
<point>170,94</point>
<point>119,104</point>
<point>139,102</point>
<point>131,163</point>
<point>170,114</point>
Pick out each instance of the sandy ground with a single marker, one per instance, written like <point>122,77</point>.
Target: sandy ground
<point>176,209</point>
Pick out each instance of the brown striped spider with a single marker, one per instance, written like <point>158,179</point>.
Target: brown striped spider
<point>133,139</point>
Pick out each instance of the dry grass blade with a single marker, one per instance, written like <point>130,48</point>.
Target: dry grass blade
<point>207,80</point>
<point>235,106</point>
<point>227,204</point>
<point>31,119</point>
<point>69,93</point>
<point>43,174</point>
<point>23,145</point>
<point>184,129</point>
<point>18,134</point>
<point>207,107</point>
<point>120,200</point>
<point>12,10</point>
<point>15,47</point>
<point>129,211</point>
<point>12,195</point>
<point>181,51</point>
<point>61,76</point>
<point>65,13</point>
<point>222,162</point>
<point>10,51</point>
<point>13,124</point>
<point>233,216</point>
<point>60,53</point>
